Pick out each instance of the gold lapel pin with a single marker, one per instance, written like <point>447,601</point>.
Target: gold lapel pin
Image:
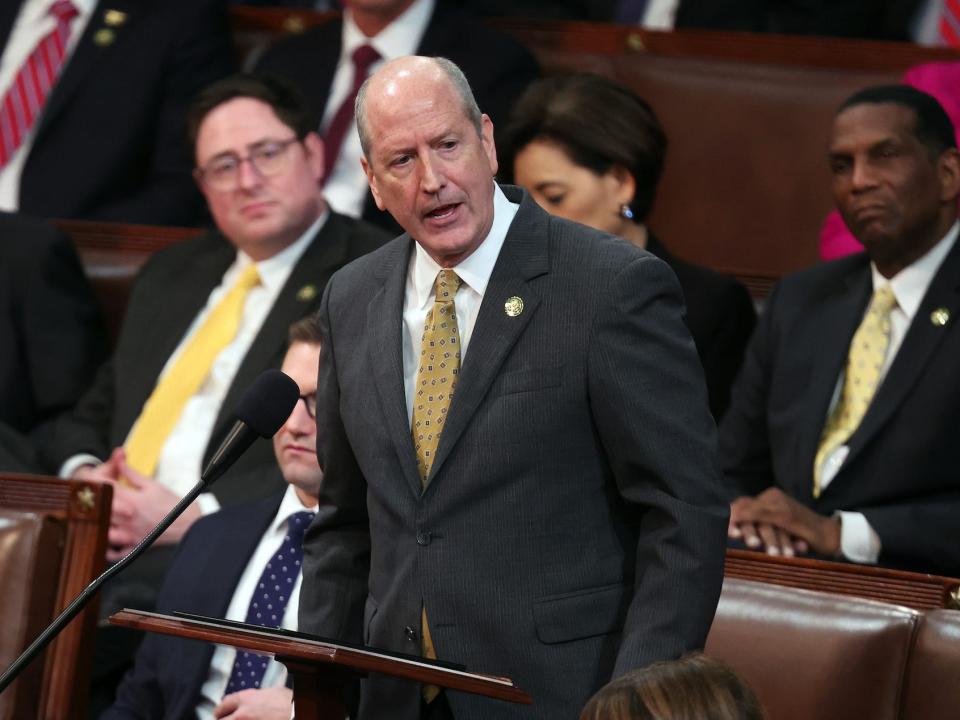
<point>114,18</point>
<point>940,316</point>
<point>513,306</point>
<point>103,37</point>
<point>307,292</point>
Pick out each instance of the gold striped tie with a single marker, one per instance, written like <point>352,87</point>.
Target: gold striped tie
<point>435,385</point>
<point>861,378</point>
<point>183,380</point>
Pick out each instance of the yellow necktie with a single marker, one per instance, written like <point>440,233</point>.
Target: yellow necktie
<point>163,407</point>
<point>435,385</point>
<point>861,378</point>
<point>437,374</point>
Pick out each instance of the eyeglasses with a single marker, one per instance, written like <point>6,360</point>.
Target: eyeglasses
<point>310,403</point>
<point>223,172</point>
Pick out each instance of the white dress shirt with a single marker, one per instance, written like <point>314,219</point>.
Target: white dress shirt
<point>179,464</point>
<point>33,23</point>
<point>660,14</point>
<point>925,28</point>
<point>221,664</point>
<point>474,271</point>
<point>858,541</point>
<point>346,188</point>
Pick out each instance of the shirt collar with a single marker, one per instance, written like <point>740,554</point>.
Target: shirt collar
<point>401,37</point>
<point>288,506</point>
<point>476,268</point>
<point>910,284</point>
<point>275,270</point>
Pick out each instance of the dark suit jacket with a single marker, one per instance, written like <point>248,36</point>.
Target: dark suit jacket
<point>168,672</point>
<point>901,472</point>
<point>111,144</point>
<point>871,19</point>
<point>572,527</point>
<point>169,292</point>
<point>497,66</point>
<point>720,316</point>
<point>50,325</point>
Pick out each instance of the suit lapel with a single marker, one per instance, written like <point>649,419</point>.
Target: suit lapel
<point>322,71</point>
<point>385,320</point>
<point>523,257</point>
<point>8,15</point>
<point>836,321</point>
<point>94,47</point>
<point>919,344</point>
<point>300,295</point>
<point>231,546</point>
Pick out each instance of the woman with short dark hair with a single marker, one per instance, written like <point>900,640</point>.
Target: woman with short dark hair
<point>590,150</point>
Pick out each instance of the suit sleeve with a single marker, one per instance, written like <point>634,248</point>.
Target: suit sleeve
<point>649,403</point>
<point>744,441</point>
<point>919,533</point>
<point>331,602</point>
<point>724,350</point>
<point>60,325</point>
<point>145,693</point>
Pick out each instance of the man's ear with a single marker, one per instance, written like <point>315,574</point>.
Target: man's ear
<point>372,181</point>
<point>948,167</point>
<point>314,151</point>
<point>486,139</point>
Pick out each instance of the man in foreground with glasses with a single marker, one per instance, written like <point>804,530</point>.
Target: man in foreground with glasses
<point>221,561</point>
<point>205,318</point>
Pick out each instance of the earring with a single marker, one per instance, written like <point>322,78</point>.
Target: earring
<point>626,212</point>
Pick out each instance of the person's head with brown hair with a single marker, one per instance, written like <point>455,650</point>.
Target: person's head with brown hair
<point>693,688</point>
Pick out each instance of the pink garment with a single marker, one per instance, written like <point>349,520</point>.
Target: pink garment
<point>940,79</point>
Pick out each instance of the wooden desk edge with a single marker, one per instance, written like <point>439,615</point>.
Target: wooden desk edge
<point>316,652</point>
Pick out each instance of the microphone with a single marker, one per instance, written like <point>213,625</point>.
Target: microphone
<point>262,410</point>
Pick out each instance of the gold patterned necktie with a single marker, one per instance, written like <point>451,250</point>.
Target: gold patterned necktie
<point>435,385</point>
<point>861,378</point>
<point>183,380</point>
<point>437,374</point>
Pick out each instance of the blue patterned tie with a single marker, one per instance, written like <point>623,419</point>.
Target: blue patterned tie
<point>270,600</point>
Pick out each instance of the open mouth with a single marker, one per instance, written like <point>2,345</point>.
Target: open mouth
<point>443,212</point>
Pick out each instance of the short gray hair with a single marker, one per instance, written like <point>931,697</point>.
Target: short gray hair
<point>456,77</point>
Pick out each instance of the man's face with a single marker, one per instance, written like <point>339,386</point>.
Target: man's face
<point>893,196</point>
<point>428,166</point>
<point>260,214</point>
<point>295,444</point>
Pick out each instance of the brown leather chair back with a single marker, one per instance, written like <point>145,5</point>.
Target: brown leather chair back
<point>30,552</point>
<point>53,536</point>
<point>809,654</point>
<point>933,677</point>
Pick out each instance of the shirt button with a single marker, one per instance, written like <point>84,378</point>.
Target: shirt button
<point>424,537</point>
<point>410,633</point>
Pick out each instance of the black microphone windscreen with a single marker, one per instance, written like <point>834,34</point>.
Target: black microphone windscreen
<point>267,404</point>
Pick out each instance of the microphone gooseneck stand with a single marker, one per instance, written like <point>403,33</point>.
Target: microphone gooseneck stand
<point>261,411</point>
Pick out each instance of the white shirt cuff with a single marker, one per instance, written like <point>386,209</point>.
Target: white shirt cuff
<point>208,503</point>
<point>858,541</point>
<point>74,462</point>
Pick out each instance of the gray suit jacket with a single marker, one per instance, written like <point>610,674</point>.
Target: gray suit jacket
<point>572,527</point>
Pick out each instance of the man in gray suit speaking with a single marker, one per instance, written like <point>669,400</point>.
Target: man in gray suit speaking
<point>519,458</point>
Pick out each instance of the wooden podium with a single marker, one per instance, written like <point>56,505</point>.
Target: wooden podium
<point>320,669</point>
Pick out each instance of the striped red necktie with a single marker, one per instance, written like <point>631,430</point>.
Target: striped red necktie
<point>950,23</point>
<point>24,100</point>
